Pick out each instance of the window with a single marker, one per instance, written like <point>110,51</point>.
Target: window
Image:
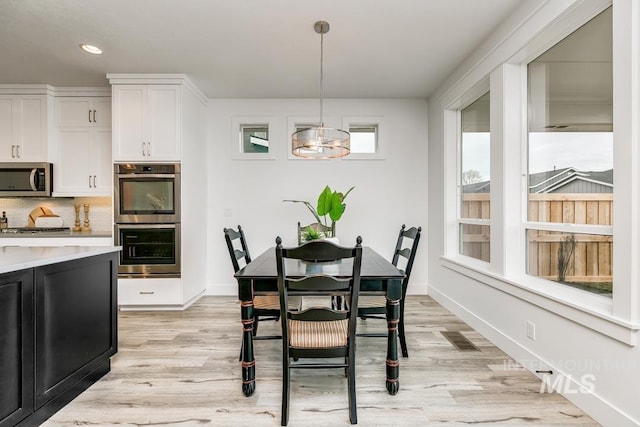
<point>255,138</point>
<point>474,180</point>
<point>570,160</point>
<point>251,137</point>
<point>364,139</point>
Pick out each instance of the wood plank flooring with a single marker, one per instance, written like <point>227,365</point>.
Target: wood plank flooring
<point>182,369</point>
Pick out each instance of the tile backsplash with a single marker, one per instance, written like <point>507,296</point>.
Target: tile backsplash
<point>100,210</point>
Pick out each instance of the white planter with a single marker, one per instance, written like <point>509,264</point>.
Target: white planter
<point>333,240</point>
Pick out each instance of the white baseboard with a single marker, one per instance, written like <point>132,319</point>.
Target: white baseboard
<point>161,307</point>
<point>597,407</point>
<point>222,289</point>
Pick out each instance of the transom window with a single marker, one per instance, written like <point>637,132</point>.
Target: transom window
<point>254,138</point>
<point>364,139</point>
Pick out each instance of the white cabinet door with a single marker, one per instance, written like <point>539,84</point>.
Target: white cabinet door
<point>32,144</point>
<point>74,111</point>
<point>8,131</point>
<point>146,122</point>
<point>164,122</point>
<point>84,162</point>
<point>23,128</point>
<point>128,124</point>
<point>101,107</point>
<point>71,171</point>
<point>100,160</point>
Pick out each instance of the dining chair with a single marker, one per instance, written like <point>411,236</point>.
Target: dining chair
<point>375,306</point>
<point>265,307</point>
<point>318,332</point>
<point>316,226</point>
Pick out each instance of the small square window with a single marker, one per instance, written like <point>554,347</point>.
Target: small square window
<point>251,138</point>
<point>364,139</point>
<point>255,138</point>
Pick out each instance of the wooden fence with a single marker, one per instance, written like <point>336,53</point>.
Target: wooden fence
<point>591,259</point>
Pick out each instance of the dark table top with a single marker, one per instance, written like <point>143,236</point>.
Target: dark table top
<point>374,267</point>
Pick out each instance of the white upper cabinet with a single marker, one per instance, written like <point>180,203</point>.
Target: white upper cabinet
<point>147,122</point>
<point>74,111</point>
<point>83,165</point>
<point>23,128</point>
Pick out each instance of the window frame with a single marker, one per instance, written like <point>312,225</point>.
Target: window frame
<point>367,121</point>
<point>238,123</point>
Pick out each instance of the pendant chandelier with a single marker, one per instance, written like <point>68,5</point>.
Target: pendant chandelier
<point>321,142</point>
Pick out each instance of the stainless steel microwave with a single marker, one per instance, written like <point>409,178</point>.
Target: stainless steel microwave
<point>26,179</point>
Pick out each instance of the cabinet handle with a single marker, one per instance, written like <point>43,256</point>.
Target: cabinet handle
<point>18,151</point>
<point>146,292</point>
<point>89,116</point>
<point>13,151</point>
<point>143,148</point>
<point>94,181</point>
<point>148,148</point>
<point>94,117</point>
<point>89,181</point>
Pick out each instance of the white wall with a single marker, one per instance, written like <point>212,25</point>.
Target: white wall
<point>568,347</point>
<point>388,192</point>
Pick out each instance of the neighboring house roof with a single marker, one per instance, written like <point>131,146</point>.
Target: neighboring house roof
<point>559,180</point>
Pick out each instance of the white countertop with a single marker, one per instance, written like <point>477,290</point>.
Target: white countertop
<point>56,234</point>
<point>18,258</point>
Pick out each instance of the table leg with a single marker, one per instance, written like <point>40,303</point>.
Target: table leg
<point>393,365</point>
<point>248,361</point>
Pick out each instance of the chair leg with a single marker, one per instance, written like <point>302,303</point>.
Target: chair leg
<point>255,326</point>
<point>351,377</point>
<point>285,389</point>
<point>403,340</point>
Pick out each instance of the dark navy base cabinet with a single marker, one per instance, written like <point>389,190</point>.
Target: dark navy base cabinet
<point>61,334</point>
<point>16,346</point>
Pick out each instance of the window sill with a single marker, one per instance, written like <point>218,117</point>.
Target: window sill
<point>589,310</point>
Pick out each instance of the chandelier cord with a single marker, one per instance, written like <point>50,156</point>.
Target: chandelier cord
<point>321,76</point>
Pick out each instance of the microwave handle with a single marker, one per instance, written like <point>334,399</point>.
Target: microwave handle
<point>32,179</point>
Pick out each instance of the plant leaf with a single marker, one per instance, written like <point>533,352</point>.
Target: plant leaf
<point>337,208</point>
<point>325,201</point>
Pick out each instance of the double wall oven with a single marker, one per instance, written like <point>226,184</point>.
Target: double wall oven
<point>147,219</point>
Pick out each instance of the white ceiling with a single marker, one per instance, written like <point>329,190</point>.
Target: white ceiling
<point>248,48</point>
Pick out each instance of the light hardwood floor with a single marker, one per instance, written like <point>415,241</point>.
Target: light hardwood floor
<point>182,369</point>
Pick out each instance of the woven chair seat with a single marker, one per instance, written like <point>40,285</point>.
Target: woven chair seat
<point>272,302</point>
<point>328,334</point>
<point>372,301</point>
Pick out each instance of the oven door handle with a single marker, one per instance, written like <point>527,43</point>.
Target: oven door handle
<point>146,175</point>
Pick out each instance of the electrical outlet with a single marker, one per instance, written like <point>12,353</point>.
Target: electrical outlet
<point>531,330</point>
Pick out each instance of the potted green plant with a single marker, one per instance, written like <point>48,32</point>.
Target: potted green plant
<point>311,233</point>
<point>330,203</point>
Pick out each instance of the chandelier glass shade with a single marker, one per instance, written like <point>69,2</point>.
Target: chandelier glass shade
<point>320,142</point>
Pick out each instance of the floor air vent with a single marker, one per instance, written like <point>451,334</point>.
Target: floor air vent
<point>459,341</point>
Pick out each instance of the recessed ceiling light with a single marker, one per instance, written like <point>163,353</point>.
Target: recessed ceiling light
<point>91,49</point>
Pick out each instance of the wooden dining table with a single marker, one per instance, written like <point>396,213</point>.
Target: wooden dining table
<point>378,277</point>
